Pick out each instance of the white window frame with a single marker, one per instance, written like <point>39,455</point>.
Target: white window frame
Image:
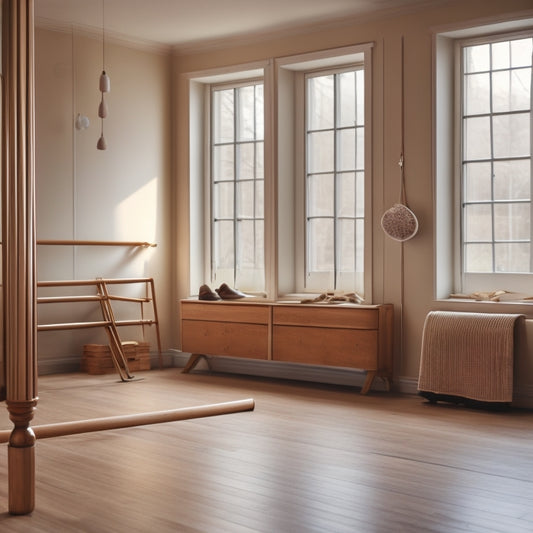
<point>291,162</point>
<point>199,85</point>
<point>230,276</point>
<point>449,278</point>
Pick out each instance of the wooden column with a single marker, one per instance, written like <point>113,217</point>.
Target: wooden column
<point>18,237</point>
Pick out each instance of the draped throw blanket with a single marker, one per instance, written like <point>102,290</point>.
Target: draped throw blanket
<point>468,355</point>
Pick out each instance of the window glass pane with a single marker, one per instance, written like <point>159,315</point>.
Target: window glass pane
<point>477,94</point>
<point>320,245</point>
<point>259,199</point>
<point>521,52</point>
<point>359,245</point>
<point>259,160</point>
<point>346,229</point>
<point>360,148</point>
<point>259,113</point>
<point>245,161</point>
<point>346,195</point>
<point>320,152</point>
<point>478,223</point>
<point>223,116</point>
<point>248,252</point>
<point>511,222</point>
<point>360,94</point>
<point>360,194</point>
<point>477,138</point>
<point>511,257</point>
<point>321,99</point>
<point>246,113</point>
<point>223,200</point>
<point>478,257</point>
<point>501,55</point>
<point>511,90</point>
<point>223,163</point>
<point>512,180</point>
<point>477,58</point>
<point>320,195</point>
<point>511,135</point>
<point>346,109</point>
<point>346,149</point>
<point>477,180</point>
<point>245,207</point>
<point>223,244</point>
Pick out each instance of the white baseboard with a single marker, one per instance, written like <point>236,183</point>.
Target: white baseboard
<point>293,371</point>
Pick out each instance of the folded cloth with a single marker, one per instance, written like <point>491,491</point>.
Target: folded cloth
<point>205,293</point>
<point>332,298</point>
<point>227,293</point>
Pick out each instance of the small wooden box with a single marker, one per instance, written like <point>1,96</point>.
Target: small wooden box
<point>97,359</point>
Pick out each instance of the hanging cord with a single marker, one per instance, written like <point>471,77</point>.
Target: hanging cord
<point>402,201</point>
<point>401,163</point>
<point>103,34</point>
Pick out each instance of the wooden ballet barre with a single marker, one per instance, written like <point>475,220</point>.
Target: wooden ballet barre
<point>60,299</point>
<point>73,325</point>
<point>142,419</point>
<point>95,243</point>
<point>97,281</point>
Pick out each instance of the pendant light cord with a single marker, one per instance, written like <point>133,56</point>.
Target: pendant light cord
<point>103,34</point>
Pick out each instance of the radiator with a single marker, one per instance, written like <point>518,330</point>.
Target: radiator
<point>468,355</point>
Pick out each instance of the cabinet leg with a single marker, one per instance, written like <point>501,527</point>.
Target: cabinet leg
<point>193,361</point>
<point>370,375</point>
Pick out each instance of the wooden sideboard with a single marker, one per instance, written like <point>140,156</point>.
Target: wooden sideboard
<point>345,335</point>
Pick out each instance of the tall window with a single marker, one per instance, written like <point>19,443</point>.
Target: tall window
<point>496,163</point>
<point>237,185</point>
<point>334,184</point>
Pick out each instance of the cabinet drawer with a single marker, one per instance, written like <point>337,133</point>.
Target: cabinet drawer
<point>226,312</point>
<point>224,338</point>
<point>333,317</point>
<point>321,346</point>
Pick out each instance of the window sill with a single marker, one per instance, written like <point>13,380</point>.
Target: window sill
<point>520,306</point>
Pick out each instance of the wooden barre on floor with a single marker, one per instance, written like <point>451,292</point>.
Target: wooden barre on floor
<point>141,419</point>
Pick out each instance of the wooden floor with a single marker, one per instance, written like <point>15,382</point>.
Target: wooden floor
<point>309,458</point>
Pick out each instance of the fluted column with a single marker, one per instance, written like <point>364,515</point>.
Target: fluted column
<point>18,237</point>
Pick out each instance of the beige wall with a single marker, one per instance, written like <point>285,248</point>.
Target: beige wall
<point>138,188</point>
<point>403,274</point>
<point>121,194</point>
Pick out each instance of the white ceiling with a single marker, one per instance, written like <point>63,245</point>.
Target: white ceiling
<point>184,23</point>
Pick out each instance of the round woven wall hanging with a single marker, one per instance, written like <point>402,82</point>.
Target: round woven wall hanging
<point>399,222</point>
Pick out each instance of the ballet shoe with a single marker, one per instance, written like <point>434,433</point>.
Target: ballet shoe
<point>205,293</point>
<point>227,293</point>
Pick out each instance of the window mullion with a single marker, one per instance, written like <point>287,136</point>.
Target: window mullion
<point>235,174</point>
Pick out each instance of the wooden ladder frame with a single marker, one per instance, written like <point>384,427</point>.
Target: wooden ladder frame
<point>109,323</point>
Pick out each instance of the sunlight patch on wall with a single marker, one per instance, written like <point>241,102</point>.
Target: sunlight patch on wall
<point>136,215</point>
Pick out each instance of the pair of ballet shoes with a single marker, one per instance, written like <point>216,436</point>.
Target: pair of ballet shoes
<point>224,292</point>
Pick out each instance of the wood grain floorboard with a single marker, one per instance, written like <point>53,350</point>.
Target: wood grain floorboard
<point>309,458</point>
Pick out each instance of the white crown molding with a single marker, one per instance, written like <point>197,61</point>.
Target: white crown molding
<point>243,39</point>
<point>91,32</point>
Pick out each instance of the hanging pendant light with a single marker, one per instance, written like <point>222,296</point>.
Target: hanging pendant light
<point>101,144</point>
<point>102,108</point>
<point>105,82</point>
<point>105,87</point>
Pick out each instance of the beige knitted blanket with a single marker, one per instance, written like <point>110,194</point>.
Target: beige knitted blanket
<point>468,355</point>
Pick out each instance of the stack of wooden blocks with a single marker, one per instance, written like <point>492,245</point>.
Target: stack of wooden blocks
<point>97,357</point>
